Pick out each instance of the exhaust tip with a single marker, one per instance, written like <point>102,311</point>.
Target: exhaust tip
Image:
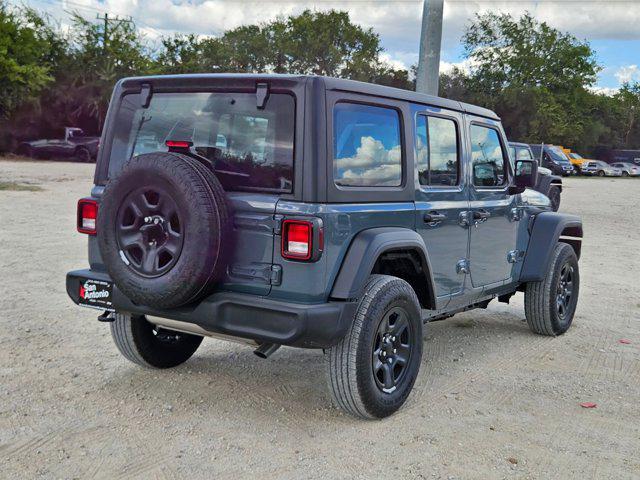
<point>266,349</point>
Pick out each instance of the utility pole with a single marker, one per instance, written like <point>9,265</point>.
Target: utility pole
<point>105,29</point>
<point>430,42</point>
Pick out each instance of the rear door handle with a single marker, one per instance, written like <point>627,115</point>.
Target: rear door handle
<point>433,217</point>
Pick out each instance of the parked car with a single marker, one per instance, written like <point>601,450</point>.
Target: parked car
<point>553,158</point>
<point>601,169</point>
<point>339,215</point>
<point>615,156</point>
<point>575,158</point>
<point>75,145</point>
<point>627,169</point>
<point>547,184</point>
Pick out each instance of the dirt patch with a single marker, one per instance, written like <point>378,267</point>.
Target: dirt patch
<point>492,400</point>
<point>19,187</point>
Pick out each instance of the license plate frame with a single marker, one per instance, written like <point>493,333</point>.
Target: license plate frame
<point>96,294</point>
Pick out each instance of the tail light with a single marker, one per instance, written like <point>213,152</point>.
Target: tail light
<point>178,145</point>
<point>302,239</point>
<point>87,216</point>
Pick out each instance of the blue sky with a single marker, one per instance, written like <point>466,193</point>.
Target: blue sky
<point>611,26</point>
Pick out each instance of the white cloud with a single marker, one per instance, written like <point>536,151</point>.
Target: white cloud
<point>608,91</point>
<point>397,23</point>
<point>372,164</point>
<point>630,73</point>
<point>393,20</point>
<point>396,63</point>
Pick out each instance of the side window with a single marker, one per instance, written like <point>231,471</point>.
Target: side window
<point>437,151</point>
<point>487,157</point>
<point>367,148</point>
<point>524,154</point>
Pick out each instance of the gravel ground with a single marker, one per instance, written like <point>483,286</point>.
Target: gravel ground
<point>492,400</point>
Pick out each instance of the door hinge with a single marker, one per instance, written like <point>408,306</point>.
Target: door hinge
<point>463,219</point>
<point>515,215</point>
<point>463,266</point>
<point>515,256</point>
<point>277,224</point>
<point>271,274</point>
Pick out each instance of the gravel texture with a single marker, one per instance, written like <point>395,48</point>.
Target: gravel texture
<point>492,400</point>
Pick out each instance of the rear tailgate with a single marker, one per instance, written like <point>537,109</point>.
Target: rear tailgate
<point>250,268</point>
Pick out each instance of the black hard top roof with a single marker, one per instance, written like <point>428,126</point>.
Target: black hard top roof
<point>331,84</point>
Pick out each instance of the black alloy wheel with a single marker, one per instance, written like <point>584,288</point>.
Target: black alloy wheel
<point>149,231</point>
<point>564,290</point>
<point>392,349</point>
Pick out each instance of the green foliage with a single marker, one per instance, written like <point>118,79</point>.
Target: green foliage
<point>319,43</point>
<point>537,79</point>
<point>25,57</point>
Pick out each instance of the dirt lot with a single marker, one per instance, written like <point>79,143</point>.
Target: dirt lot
<point>492,400</point>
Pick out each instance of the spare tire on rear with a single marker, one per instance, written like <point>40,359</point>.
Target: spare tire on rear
<point>163,229</point>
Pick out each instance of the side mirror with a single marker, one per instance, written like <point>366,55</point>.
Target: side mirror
<point>526,176</point>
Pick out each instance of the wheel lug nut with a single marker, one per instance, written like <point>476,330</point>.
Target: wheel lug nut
<point>393,339</point>
<point>390,360</point>
<point>384,354</point>
<point>394,350</point>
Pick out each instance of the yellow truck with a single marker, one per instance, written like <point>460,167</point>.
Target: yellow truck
<point>575,158</point>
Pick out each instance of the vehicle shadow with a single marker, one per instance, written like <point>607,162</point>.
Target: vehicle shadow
<point>291,385</point>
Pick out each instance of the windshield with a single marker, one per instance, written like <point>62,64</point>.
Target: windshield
<point>556,154</point>
<point>249,148</point>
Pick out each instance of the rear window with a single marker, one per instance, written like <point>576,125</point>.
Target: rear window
<point>249,148</point>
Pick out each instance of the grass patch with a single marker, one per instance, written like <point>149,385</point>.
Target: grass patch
<point>19,187</point>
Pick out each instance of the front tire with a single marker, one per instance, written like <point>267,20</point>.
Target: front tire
<point>149,346</point>
<point>601,173</point>
<point>372,370</point>
<point>550,304</point>
<point>554,197</point>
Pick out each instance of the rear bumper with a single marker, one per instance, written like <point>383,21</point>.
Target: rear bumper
<point>245,316</point>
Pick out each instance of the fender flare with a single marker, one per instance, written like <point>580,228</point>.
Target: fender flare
<point>546,230</point>
<point>364,251</point>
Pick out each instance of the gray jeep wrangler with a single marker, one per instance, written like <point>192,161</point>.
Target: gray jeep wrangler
<point>317,213</point>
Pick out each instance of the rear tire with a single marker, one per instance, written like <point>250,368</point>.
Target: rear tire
<point>387,328</point>
<point>625,174</point>
<point>601,173</point>
<point>25,151</point>
<point>145,344</point>
<point>550,304</point>
<point>82,155</point>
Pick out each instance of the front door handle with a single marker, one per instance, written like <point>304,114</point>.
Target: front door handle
<point>481,215</point>
<point>433,217</point>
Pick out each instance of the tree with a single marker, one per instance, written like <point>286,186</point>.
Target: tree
<point>25,53</point>
<point>98,62</point>
<point>628,98</point>
<point>527,53</point>
<point>535,77</point>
